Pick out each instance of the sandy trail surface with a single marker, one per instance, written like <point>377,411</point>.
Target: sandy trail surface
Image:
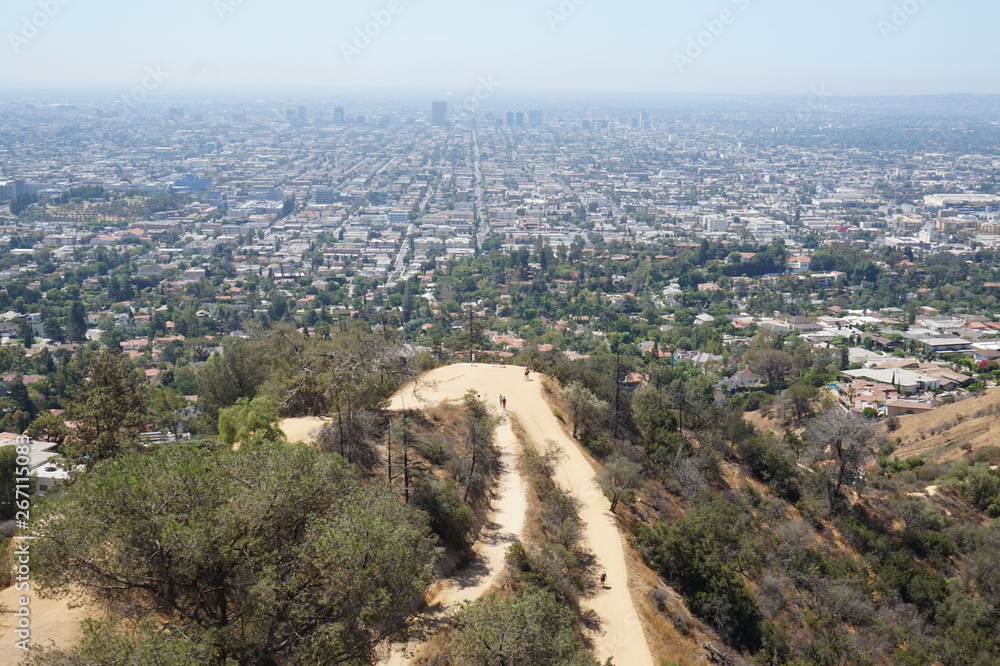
<point>621,634</point>
<point>302,430</point>
<point>53,622</point>
<point>504,526</point>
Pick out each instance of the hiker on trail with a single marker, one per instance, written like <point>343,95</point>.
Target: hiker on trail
<point>527,374</point>
<point>604,578</point>
<point>473,359</point>
<point>503,402</point>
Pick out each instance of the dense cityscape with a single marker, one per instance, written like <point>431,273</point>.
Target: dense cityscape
<point>171,222</point>
<point>741,308</point>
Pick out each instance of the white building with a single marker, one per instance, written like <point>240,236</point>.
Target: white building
<point>715,224</point>
<point>41,463</point>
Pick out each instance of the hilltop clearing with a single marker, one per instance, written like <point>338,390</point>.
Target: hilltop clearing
<point>621,635</point>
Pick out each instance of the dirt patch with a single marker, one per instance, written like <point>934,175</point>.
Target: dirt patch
<point>764,421</point>
<point>53,623</point>
<point>303,430</point>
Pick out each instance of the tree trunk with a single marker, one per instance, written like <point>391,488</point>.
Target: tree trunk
<point>406,464</point>
<point>388,457</point>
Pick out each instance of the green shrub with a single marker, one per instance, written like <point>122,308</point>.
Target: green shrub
<point>527,628</point>
<point>911,656</point>
<point>757,400</point>
<point>988,454</point>
<point>775,645</point>
<point>979,485</point>
<point>702,556</point>
<point>770,465</point>
<point>517,558</point>
<point>935,546</point>
<point>925,590</point>
<point>448,517</point>
<point>433,451</point>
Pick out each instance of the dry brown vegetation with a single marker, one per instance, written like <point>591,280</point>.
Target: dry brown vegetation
<point>830,568</point>
<point>951,431</point>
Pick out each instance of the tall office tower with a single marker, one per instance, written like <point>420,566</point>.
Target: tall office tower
<point>439,114</point>
<point>536,118</point>
<point>338,115</point>
<point>361,119</point>
<point>510,119</point>
<point>644,122</point>
<point>588,125</point>
<point>302,114</point>
<point>520,118</point>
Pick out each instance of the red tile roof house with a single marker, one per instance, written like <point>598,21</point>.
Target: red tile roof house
<point>799,264</point>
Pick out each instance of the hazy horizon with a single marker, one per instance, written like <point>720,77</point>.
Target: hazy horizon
<point>725,47</point>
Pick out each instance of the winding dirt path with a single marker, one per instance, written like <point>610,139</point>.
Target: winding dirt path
<point>504,526</point>
<point>621,635</point>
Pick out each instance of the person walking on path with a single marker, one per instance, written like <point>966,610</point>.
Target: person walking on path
<point>604,578</point>
<point>527,374</point>
<point>503,402</point>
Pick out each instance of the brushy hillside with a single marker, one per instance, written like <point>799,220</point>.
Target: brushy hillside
<point>818,545</point>
<point>952,431</point>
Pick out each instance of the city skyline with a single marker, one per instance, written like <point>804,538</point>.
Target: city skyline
<point>726,47</point>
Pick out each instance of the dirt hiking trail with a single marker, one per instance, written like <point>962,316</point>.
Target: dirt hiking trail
<point>621,635</point>
<point>504,527</point>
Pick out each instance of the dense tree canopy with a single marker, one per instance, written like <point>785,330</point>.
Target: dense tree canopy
<point>272,554</point>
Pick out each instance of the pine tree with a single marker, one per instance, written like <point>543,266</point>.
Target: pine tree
<point>76,326</point>
<point>109,408</point>
<point>26,334</point>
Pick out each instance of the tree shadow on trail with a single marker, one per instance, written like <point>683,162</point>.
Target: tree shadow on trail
<point>472,573</point>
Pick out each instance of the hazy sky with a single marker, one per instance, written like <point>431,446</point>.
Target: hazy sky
<point>846,47</point>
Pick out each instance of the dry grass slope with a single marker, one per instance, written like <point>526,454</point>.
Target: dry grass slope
<point>950,432</point>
